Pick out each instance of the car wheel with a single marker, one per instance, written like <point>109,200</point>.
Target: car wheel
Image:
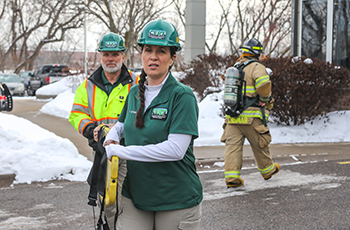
<point>30,91</point>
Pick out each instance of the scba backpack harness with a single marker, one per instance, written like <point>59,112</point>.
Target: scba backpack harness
<point>235,99</point>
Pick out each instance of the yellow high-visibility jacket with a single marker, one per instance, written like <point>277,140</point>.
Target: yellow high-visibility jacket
<point>258,85</point>
<point>93,106</point>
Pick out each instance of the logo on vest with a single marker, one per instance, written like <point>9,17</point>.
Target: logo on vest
<point>159,114</point>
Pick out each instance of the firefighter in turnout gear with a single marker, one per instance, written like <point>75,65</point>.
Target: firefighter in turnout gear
<point>100,100</point>
<point>251,122</point>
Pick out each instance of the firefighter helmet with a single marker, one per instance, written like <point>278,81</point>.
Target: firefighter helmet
<point>111,42</point>
<point>253,46</point>
<point>159,32</point>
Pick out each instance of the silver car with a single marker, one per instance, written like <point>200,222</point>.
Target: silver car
<point>13,82</point>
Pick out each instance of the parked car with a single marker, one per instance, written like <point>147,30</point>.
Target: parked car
<point>46,74</point>
<point>13,82</point>
<point>25,77</point>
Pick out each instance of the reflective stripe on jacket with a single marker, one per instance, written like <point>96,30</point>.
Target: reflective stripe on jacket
<point>92,104</point>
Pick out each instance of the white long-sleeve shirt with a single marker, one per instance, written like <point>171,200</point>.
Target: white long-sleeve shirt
<point>173,149</point>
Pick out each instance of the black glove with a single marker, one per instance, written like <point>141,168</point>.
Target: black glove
<point>92,144</point>
<point>89,131</point>
<point>89,134</point>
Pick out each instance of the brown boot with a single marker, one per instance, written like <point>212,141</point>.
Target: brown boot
<point>276,170</point>
<point>234,182</point>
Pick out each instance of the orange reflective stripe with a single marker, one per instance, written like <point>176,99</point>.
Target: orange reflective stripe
<point>79,112</point>
<point>82,130</point>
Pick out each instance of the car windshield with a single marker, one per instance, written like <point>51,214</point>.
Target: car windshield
<point>9,78</point>
<point>24,74</point>
<point>53,69</point>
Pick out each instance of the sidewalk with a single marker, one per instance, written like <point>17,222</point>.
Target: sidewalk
<point>208,155</point>
<point>276,150</point>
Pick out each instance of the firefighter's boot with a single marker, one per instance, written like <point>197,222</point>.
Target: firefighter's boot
<point>274,171</point>
<point>234,182</point>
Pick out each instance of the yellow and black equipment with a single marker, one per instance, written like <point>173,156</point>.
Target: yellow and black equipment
<point>111,181</point>
<point>103,179</point>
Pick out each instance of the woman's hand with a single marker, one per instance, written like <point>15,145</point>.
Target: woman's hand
<point>108,142</point>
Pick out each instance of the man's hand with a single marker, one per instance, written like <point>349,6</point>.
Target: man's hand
<point>96,133</point>
<point>110,125</point>
<point>261,103</point>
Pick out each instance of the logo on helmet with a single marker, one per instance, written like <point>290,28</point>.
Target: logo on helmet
<point>157,34</point>
<point>111,44</point>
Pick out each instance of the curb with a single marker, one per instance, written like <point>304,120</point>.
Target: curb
<point>41,96</point>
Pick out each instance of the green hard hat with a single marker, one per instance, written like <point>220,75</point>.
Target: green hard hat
<point>111,42</point>
<point>159,32</point>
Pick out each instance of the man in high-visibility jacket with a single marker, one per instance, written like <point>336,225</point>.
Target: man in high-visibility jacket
<point>251,123</point>
<point>101,97</point>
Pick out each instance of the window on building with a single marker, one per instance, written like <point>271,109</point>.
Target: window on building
<point>314,28</point>
<point>341,33</point>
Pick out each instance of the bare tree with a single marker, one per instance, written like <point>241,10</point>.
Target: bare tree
<point>127,18</point>
<point>267,20</point>
<point>32,24</point>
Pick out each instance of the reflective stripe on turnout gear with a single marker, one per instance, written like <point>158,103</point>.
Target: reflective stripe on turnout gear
<point>261,80</point>
<point>248,89</point>
<point>235,174</point>
<point>237,120</point>
<point>243,117</point>
<point>267,170</point>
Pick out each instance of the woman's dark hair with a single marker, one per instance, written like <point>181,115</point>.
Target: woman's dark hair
<point>139,122</point>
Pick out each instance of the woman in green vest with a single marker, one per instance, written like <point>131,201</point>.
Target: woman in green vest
<point>159,121</point>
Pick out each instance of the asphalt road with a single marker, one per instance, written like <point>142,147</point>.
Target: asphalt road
<point>311,191</point>
<point>308,195</point>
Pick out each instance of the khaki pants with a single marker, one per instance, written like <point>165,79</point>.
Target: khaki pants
<point>133,218</point>
<point>259,138</point>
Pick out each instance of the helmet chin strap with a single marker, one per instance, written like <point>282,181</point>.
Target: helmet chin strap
<point>247,55</point>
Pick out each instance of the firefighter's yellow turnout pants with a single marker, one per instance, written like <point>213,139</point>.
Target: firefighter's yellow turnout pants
<point>259,138</point>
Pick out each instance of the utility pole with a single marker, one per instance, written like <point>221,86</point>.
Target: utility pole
<point>195,29</point>
<point>85,44</point>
